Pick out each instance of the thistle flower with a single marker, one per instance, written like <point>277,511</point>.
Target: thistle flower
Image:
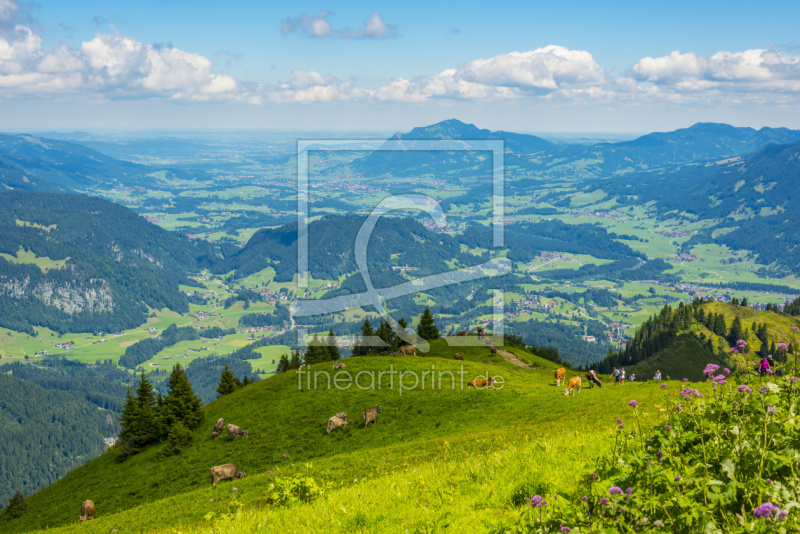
<point>584,498</point>
<point>619,421</point>
<point>593,475</point>
<point>678,478</point>
<point>537,501</point>
<point>765,510</point>
<point>614,490</point>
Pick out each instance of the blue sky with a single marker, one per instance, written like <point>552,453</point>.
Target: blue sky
<point>564,66</point>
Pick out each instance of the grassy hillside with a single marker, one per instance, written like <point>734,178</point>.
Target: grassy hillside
<point>443,447</point>
<point>685,359</point>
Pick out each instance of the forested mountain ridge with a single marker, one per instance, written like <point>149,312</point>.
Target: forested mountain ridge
<point>76,263</point>
<point>31,163</point>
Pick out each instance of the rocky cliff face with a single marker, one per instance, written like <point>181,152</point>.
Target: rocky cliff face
<point>94,297</point>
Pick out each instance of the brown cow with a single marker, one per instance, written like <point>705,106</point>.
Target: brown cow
<point>494,351</point>
<point>236,432</point>
<point>218,428</point>
<point>458,356</point>
<point>591,376</point>
<point>87,510</point>
<point>340,419</point>
<point>406,349</point>
<point>561,374</point>
<point>574,383</point>
<point>461,333</point>
<point>371,415</point>
<point>338,366</point>
<point>481,382</point>
<point>225,472</point>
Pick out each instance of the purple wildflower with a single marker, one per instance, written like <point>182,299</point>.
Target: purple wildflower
<point>212,500</point>
<point>667,428</point>
<point>763,390</point>
<point>783,514</point>
<point>235,489</point>
<point>771,410</point>
<point>793,328</point>
<point>727,371</point>
<point>793,379</point>
<point>685,379</point>
<point>767,509</point>
<point>734,350</point>
<point>614,490</point>
<point>723,382</point>
<point>663,385</point>
<point>619,421</point>
<point>603,501</point>
<point>718,378</point>
<point>678,478</point>
<point>537,501</point>
<point>593,475</point>
<point>658,523</point>
<point>584,498</point>
<point>741,343</point>
<point>629,491</point>
<point>744,389</point>
<point>565,529</point>
<point>782,346</point>
<point>285,455</point>
<point>735,404</point>
<point>768,481</point>
<point>661,454</point>
<point>633,404</point>
<point>711,368</point>
<point>620,426</point>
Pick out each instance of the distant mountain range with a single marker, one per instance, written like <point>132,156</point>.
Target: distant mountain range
<point>31,163</point>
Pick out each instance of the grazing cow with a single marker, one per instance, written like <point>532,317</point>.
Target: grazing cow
<point>338,366</point>
<point>462,333</point>
<point>236,432</point>
<point>561,374</point>
<point>457,356</point>
<point>87,510</point>
<point>218,428</point>
<point>494,351</point>
<point>225,472</point>
<point>340,419</point>
<point>591,376</point>
<point>574,383</point>
<point>481,382</point>
<point>406,349</point>
<point>371,415</point>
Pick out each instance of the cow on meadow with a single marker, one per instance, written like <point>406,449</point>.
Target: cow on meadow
<point>225,472</point>
<point>461,333</point>
<point>591,376</point>
<point>560,374</point>
<point>340,419</point>
<point>406,349</point>
<point>481,382</point>
<point>371,415</point>
<point>338,366</point>
<point>574,383</point>
<point>236,432</point>
<point>458,356</point>
<point>87,510</point>
<point>218,428</point>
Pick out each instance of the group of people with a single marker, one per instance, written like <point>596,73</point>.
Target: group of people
<point>767,366</point>
<point>619,376</point>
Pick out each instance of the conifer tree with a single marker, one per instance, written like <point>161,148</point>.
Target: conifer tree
<point>427,328</point>
<point>283,364</point>
<point>227,382</point>
<point>736,333</point>
<point>366,331</point>
<point>181,405</point>
<point>386,333</point>
<point>295,361</point>
<point>128,420</point>
<point>315,353</point>
<point>744,302</point>
<point>16,505</point>
<point>333,349</point>
<point>719,325</point>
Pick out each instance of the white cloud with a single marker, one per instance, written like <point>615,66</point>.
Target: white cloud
<point>374,28</point>
<point>319,26</point>
<point>312,26</point>
<point>764,69</point>
<point>114,65</point>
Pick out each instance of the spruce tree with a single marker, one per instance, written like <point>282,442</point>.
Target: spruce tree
<point>148,430</point>
<point>128,420</point>
<point>295,361</point>
<point>386,333</point>
<point>736,333</point>
<point>427,328</point>
<point>744,302</point>
<point>315,352</point>
<point>16,505</point>
<point>227,382</point>
<point>181,405</point>
<point>333,349</point>
<point>283,364</point>
<point>366,331</point>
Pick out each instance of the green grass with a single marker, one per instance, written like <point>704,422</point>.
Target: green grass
<point>26,257</point>
<point>464,452</point>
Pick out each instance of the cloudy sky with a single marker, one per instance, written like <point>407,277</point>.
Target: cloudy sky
<point>566,66</point>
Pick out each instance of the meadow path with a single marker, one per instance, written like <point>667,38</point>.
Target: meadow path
<point>513,360</point>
